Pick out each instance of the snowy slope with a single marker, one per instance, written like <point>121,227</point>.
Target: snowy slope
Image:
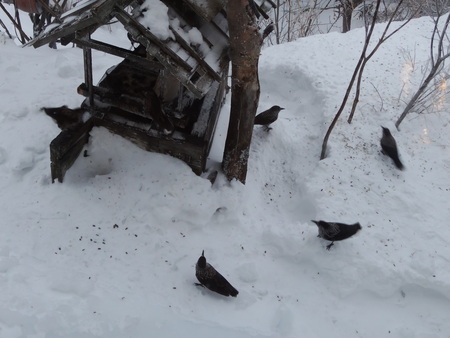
<point>111,251</point>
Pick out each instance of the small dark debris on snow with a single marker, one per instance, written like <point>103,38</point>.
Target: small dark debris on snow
<point>115,226</point>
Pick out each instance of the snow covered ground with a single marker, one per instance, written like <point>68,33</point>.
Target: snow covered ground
<point>111,252</point>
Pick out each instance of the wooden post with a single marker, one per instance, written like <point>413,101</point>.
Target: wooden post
<point>245,47</point>
<point>88,77</point>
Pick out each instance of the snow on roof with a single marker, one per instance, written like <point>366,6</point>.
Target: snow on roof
<point>154,16</point>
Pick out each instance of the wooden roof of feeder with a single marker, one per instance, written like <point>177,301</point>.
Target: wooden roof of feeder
<point>192,46</point>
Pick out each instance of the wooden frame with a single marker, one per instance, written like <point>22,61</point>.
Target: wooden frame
<point>126,115</point>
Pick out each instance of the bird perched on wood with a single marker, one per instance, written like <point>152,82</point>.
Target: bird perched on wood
<point>65,117</point>
<point>212,279</point>
<point>389,147</point>
<point>332,231</point>
<point>268,117</point>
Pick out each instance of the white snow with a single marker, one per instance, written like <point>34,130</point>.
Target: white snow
<point>111,252</point>
<point>155,17</point>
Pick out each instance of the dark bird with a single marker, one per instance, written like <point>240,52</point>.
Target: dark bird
<point>389,147</point>
<point>211,279</point>
<point>65,117</point>
<point>268,116</point>
<point>332,231</point>
<point>269,29</point>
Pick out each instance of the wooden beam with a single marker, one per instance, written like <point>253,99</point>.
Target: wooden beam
<point>88,77</point>
<point>117,51</point>
<point>66,148</point>
<point>194,54</point>
<point>103,95</point>
<point>137,29</point>
<point>191,150</point>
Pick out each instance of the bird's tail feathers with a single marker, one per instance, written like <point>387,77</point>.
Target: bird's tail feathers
<point>398,164</point>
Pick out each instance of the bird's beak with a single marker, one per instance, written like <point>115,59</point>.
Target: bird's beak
<point>314,221</point>
<point>281,108</point>
<point>203,253</point>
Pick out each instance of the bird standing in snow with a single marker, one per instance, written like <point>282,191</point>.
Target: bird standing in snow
<point>212,279</point>
<point>332,231</point>
<point>268,117</point>
<point>389,147</point>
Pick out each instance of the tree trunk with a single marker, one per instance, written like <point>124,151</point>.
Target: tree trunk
<point>348,7</point>
<point>245,47</point>
<point>347,12</point>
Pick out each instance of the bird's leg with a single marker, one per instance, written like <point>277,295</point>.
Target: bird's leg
<point>199,284</point>
<point>329,246</point>
<point>267,128</point>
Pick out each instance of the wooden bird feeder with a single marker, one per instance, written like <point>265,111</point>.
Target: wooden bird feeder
<point>166,94</point>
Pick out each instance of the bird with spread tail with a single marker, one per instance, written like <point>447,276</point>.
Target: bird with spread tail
<point>332,231</point>
<point>389,147</point>
<point>212,279</point>
<point>267,117</point>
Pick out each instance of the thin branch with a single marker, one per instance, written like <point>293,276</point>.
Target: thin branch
<point>436,67</point>
<point>350,86</point>
<point>384,36</point>
<point>24,37</point>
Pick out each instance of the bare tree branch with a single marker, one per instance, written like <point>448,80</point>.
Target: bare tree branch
<point>437,64</point>
<point>385,36</point>
<point>369,32</point>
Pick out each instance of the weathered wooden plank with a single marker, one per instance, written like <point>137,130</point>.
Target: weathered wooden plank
<point>195,55</point>
<point>63,30</point>
<point>66,148</point>
<point>103,95</point>
<point>148,108</point>
<point>191,151</point>
<point>88,76</point>
<point>136,29</point>
<point>90,15</point>
<point>191,78</point>
<point>117,51</point>
<point>215,112</point>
